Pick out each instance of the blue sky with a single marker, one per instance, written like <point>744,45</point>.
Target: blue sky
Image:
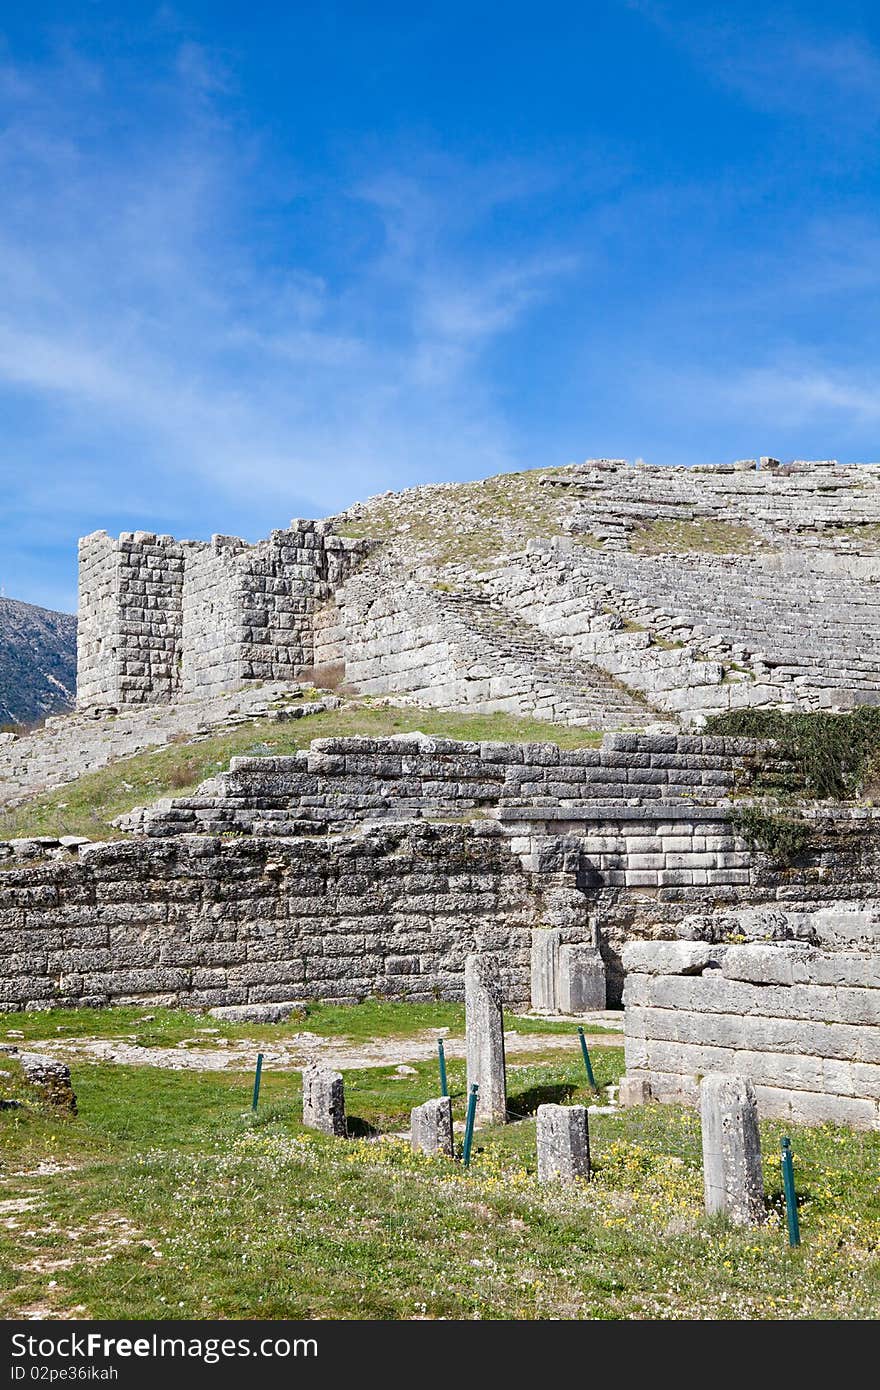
<point>258,261</point>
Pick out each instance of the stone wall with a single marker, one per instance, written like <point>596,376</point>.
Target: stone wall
<point>162,620</point>
<point>631,840</point>
<point>802,1024</point>
<point>212,619</point>
<point>342,782</point>
<point>204,921</point>
<point>130,619</point>
<point>98,625</point>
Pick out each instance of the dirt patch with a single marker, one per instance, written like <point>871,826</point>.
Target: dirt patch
<point>299,1051</point>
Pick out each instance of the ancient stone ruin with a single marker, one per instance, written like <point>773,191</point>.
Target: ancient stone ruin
<point>682,591</point>
<point>584,877</point>
<point>161,620</point>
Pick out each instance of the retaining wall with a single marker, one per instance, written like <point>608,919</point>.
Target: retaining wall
<point>202,921</point>
<point>803,1024</point>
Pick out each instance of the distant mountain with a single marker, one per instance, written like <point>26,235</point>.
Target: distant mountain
<point>37,662</point>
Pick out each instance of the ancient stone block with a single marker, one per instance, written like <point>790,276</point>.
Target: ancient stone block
<point>563,1143</point>
<point>484,1027</point>
<point>324,1101</point>
<point>732,1175</point>
<point>50,1077</point>
<point>632,1091</point>
<point>545,969</point>
<point>431,1127</point>
<point>581,979</point>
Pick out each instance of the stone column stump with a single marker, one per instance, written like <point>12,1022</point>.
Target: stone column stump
<point>431,1127</point>
<point>324,1101</point>
<point>563,1143</point>
<point>732,1176</point>
<point>484,1027</point>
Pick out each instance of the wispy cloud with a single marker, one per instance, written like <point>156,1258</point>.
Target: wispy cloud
<point>778,60</point>
<point>134,302</point>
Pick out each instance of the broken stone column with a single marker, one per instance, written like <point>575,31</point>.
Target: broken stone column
<point>324,1101</point>
<point>545,969</point>
<point>732,1176</point>
<point>563,1143</point>
<point>581,987</point>
<point>51,1079</point>
<point>431,1127</point>
<point>484,1026</point>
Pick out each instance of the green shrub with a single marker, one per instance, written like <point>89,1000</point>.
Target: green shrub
<point>824,755</point>
<point>780,837</point>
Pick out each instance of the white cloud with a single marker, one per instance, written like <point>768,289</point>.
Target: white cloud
<point>779,61</point>
<point>134,301</point>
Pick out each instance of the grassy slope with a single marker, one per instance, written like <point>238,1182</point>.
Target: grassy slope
<point>171,1200</point>
<point>665,537</point>
<point>88,805</point>
<point>480,521</point>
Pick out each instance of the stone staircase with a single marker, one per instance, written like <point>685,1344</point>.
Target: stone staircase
<point>565,688</point>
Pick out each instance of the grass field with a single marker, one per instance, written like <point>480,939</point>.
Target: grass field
<point>160,1027</point>
<point>165,1197</point>
<point>89,805</point>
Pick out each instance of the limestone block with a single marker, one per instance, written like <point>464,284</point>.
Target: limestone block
<point>431,1127</point>
<point>670,957</point>
<point>581,986</point>
<point>484,1029</point>
<point>633,1091</point>
<point>563,1143</point>
<point>732,1175</point>
<point>324,1101</point>
<point>763,965</point>
<point>50,1077</point>
<point>545,969</point>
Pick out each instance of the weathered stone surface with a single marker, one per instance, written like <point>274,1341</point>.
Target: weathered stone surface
<point>563,1143</point>
<point>669,957</point>
<point>485,1038</point>
<point>324,1101</point>
<point>50,1077</point>
<point>581,980</point>
<point>809,1043</point>
<point>545,969</point>
<point>211,921</point>
<point>632,1091</point>
<point>160,618</point>
<point>431,1127</point>
<point>256,1013</point>
<point>732,1174</point>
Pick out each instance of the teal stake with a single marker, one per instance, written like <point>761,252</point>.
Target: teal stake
<point>469,1125</point>
<point>587,1063</point>
<point>791,1215</point>
<point>441,1053</point>
<point>257,1080</point>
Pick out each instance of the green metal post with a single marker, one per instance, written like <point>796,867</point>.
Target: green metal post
<point>791,1215</point>
<point>469,1125</point>
<point>257,1081</point>
<point>441,1054</point>
<point>587,1063</point>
